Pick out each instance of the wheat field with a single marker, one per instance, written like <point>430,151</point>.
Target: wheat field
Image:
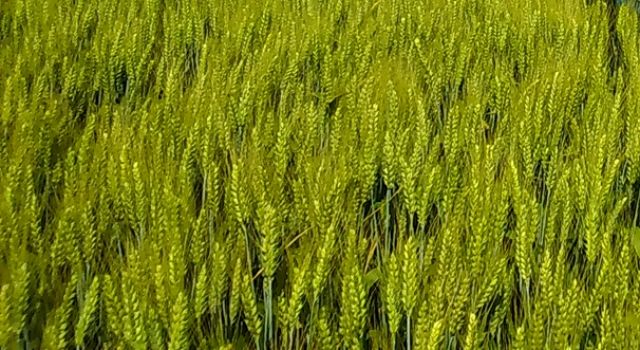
<point>319,174</point>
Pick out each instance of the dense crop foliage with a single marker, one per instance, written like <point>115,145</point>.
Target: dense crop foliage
<point>393,174</point>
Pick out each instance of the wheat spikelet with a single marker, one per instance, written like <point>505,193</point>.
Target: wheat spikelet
<point>87,312</point>
<point>201,292</point>
<point>323,257</point>
<point>352,298</point>
<point>7,330</point>
<point>252,319</point>
<point>179,337</point>
<point>391,295</point>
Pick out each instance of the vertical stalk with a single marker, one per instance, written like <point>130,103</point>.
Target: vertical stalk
<point>387,221</point>
<point>635,216</point>
<point>268,311</point>
<point>408,332</point>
